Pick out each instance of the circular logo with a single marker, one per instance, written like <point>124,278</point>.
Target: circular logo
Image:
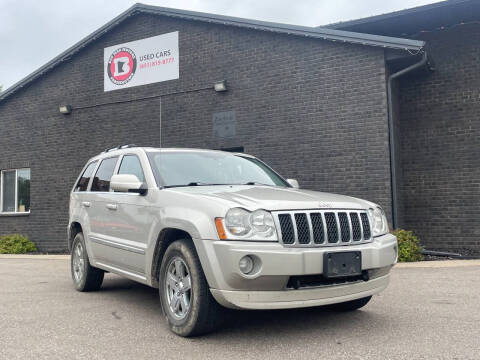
<point>121,66</point>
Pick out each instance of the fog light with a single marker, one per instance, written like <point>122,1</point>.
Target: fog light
<point>246,264</point>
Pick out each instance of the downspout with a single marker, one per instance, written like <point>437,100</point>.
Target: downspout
<point>391,133</point>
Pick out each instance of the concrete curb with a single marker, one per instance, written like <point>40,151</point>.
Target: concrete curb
<point>36,257</point>
<point>439,264</point>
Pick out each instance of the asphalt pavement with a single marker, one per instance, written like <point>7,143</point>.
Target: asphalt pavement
<point>429,311</point>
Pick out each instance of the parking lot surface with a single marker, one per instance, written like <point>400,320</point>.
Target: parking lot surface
<point>428,312</point>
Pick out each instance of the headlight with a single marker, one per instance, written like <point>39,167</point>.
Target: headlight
<point>378,220</point>
<point>246,225</point>
<point>236,222</point>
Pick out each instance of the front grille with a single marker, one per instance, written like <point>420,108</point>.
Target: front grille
<point>322,227</point>
<point>303,230</point>
<point>365,224</point>
<point>344,226</point>
<point>287,228</point>
<point>317,228</point>
<point>332,229</point>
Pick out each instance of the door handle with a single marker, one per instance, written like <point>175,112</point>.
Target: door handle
<point>86,203</point>
<point>112,206</point>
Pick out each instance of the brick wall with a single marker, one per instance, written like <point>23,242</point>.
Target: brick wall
<point>315,110</point>
<point>440,127</point>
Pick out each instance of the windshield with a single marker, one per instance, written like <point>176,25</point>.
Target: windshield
<point>183,168</point>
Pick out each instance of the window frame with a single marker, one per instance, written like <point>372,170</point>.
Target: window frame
<point>16,212</point>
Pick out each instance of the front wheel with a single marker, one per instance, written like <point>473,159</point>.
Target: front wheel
<point>85,277</point>
<point>351,305</point>
<point>184,292</point>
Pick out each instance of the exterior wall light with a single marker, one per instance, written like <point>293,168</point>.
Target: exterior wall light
<point>65,109</point>
<point>220,86</point>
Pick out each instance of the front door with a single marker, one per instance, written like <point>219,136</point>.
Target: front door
<point>123,221</point>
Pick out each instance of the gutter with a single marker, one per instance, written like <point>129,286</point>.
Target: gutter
<point>391,133</point>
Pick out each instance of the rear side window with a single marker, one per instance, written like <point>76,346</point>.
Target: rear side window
<point>101,181</point>
<point>131,165</point>
<point>83,181</point>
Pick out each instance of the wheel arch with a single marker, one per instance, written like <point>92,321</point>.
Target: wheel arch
<point>165,238</point>
<point>74,228</point>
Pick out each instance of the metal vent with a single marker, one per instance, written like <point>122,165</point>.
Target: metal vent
<point>344,226</point>
<point>356,230</point>
<point>286,226</point>
<point>317,227</point>
<point>332,229</point>
<point>365,225</point>
<point>311,228</point>
<point>303,230</point>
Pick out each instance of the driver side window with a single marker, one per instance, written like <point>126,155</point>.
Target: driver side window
<point>131,165</point>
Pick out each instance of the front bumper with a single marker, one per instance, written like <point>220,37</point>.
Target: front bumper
<point>289,298</point>
<point>267,287</point>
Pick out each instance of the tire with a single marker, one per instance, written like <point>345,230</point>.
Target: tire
<point>187,303</point>
<point>350,305</point>
<point>85,277</point>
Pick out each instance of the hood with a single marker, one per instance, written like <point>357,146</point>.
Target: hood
<point>274,198</point>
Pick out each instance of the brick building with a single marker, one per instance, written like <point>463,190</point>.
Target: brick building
<point>438,122</point>
<point>315,103</point>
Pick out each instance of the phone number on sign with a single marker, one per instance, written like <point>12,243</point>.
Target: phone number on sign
<point>157,63</point>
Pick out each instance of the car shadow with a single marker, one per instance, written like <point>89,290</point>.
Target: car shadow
<point>253,323</point>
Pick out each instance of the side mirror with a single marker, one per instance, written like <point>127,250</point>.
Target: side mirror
<point>127,183</point>
<point>294,183</point>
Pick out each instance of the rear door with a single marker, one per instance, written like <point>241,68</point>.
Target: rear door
<point>81,198</point>
<point>102,213</point>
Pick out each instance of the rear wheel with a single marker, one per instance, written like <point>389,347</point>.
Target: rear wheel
<point>85,277</point>
<point>350,305</point>
<point>184,292</point>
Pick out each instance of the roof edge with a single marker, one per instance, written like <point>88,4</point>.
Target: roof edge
<point>316,32</point>
<point>380,17</point>
<point>319,32</point>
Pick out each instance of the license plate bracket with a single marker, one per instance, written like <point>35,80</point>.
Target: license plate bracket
<point>342,264</point>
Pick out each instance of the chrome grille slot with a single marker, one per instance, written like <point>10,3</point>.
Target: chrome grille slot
<point>356,230</point>
<point>332,228</point>
<point>286,227</point>
<point>303,230</point>
<point>344,226</point>
<point>365,225</point>
<point>317,228</point>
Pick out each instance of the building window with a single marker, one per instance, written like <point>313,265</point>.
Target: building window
<point>15,191</point>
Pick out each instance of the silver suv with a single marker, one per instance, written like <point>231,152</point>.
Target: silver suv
<point>212,229</point>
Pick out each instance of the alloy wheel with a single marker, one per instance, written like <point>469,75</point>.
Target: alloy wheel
<point>78,262</point>
<point>178,286</point>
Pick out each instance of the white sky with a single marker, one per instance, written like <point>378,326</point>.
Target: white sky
<point>33,32</point>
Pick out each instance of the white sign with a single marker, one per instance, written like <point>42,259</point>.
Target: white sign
<point>141,62</point>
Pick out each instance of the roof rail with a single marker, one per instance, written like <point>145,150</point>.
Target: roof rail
<point>119,147</point>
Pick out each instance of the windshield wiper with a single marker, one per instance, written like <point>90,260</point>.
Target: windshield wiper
<point>194,183</point>
<point>256,183</point>
<point>198,183</point>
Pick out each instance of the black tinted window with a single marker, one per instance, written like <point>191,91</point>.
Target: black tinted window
<point>101,181</point>
<point>131,165</point>
<point>83,182</point>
